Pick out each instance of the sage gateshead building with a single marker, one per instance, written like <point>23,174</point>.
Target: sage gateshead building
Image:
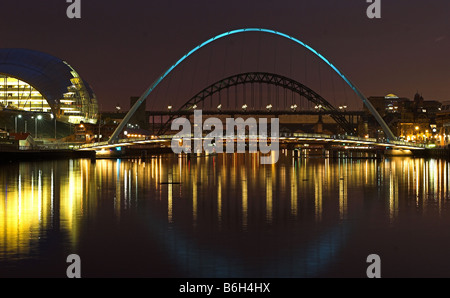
<point>36,82</point>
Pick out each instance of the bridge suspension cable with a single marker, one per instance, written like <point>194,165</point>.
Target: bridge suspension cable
<point>262,78</point>
<point>114,137</point>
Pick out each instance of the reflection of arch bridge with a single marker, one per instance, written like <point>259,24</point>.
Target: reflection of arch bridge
<point>261,78</point>
<point>115,136</point>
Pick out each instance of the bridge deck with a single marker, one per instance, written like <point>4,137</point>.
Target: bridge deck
<point>294,137</point>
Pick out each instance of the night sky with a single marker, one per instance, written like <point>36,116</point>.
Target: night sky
<point>120,47</point>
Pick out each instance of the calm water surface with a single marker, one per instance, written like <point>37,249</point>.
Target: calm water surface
<point>225,216</point>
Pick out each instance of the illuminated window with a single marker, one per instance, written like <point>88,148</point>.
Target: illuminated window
<point>17,94</point>
<point>75,106</point>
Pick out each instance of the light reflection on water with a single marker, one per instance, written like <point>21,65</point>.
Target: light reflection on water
<point>224,216</point>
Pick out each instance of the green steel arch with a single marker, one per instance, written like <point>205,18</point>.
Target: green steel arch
<point>265,78</point>
<point>390,136</point>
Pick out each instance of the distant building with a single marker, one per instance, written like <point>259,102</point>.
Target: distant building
<point>443,120</point>
<point>4,134</point>
<point>412,120</point>
<point>25,140</point>
<point>85,132</point>
<point>389,104</point>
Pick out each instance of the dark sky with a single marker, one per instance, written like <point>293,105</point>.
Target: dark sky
<point>120,47</point>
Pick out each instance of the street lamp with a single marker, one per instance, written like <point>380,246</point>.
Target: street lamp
<point>244,107</point>
<point>169,107</point>
<point>219,107</point>
<point>269,107</point>
<point>53,117</point>
<point>39,117</point>
<point>293,107</point>
<point>99,126</point>
<point>15,118</point>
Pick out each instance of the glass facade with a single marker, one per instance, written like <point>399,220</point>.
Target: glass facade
<point>17,94</point>
<point>76,105</point>
<point>37,82</point>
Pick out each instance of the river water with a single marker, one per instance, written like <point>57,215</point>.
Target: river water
<point>225,216</point>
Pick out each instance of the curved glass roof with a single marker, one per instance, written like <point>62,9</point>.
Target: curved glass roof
<point>54,78</point>
<point>391,96</point>
<point>48,74</point>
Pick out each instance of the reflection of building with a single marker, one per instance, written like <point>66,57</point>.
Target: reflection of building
<point>38,82</point>
<point>35,203</point>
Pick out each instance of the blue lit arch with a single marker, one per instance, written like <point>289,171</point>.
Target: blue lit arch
<point>386,129</point>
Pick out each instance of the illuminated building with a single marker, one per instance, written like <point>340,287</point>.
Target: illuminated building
<point>38,82</point>
<point>411,120</point>
<point>390,104</point>
<point>443,121</point>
